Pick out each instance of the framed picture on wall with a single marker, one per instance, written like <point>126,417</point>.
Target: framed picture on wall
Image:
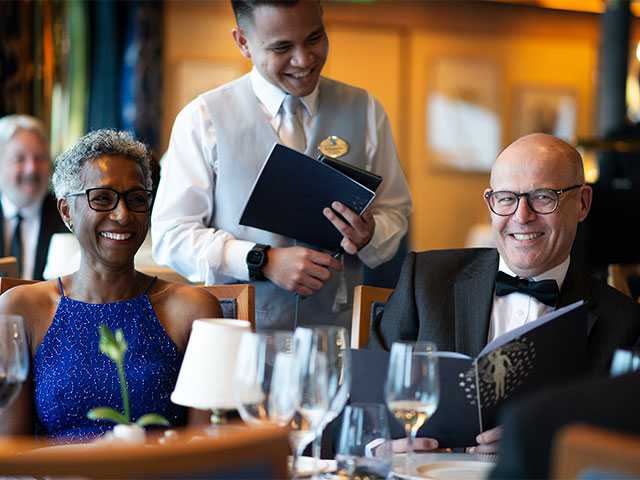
<point>545,109</point>
<point>463,110</point>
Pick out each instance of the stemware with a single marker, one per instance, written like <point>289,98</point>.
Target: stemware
<point>262,383</point>
<point>334,342</point>
<point>412,388</point>
<point>14,358</point>
<point>313,377</point>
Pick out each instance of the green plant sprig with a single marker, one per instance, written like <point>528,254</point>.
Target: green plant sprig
<point>114,347</point>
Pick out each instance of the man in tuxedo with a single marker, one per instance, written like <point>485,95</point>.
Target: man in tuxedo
<point>219,144</point>
<point>28,213</point>
<point>462,299</point>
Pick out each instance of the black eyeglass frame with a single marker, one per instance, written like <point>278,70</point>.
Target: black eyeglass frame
<point>490,194</point>
<point>119,195</point>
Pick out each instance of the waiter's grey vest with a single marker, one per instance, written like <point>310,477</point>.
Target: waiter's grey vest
<point>244,138</point>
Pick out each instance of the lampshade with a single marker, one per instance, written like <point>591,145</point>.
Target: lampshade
<point>205,377</point>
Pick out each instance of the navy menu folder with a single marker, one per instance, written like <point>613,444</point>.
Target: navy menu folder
<point>550,349</point>
<point>293,189</point>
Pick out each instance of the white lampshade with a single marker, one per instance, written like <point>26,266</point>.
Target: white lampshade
<point>205,377</point>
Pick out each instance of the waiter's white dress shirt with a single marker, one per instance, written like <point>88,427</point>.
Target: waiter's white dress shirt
<point>216,254</point>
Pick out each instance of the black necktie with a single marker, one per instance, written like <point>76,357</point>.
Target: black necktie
<point>16,244</point>
<point>545,291</point>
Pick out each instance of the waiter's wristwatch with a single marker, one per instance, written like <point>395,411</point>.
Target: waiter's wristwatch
<point>256,260</point>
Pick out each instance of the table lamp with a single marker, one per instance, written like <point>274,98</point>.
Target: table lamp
<point>205,377</point>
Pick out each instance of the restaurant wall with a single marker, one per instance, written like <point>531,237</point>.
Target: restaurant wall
<point>391,49</point>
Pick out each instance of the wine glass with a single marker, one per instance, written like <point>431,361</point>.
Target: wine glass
<point>312,376</point>
<point>14,358</point>
<point>412,388</point>
<point>334,342</point>
<point>263,386</point>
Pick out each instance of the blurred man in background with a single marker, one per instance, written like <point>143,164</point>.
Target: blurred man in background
<point>28,212</point>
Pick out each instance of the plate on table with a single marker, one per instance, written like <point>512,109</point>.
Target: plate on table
<point>304,466</point>
<point>447,466</point>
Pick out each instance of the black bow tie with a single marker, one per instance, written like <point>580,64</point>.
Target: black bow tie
<point>545,291</point>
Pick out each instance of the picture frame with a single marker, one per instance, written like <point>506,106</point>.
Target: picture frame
<point>551,109</point>
<point>464,113</point>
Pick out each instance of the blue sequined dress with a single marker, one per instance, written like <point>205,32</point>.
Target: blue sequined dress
<point>71,375</point>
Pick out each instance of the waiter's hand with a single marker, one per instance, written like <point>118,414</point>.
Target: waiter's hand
<point>358,229</point>
<point>299,269</point>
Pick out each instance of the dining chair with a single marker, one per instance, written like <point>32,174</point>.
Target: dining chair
<point>586,451</point>
<point>9,282</point>
<point>9,267</point>
<point>367,303</point>
<point>236,300</point>
<point>235,452</point>
<point>165,273</point>
<point>619,275</point>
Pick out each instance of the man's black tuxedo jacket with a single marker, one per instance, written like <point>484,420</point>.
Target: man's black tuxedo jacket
<point>446,296</point>
<point>50,223</point>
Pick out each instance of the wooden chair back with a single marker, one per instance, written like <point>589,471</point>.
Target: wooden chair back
<point>9,267</point>
<point>578,447</point>
<point>235,453</point>
<point>7,282</point>
<point>238,299</point>
<point>244,296</point>
<point>365,299</point>
<point>618,276</point>
<point>165,273</point>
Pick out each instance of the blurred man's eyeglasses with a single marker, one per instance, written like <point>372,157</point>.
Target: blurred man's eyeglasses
<point>105,199</point>
<point>541,201</point>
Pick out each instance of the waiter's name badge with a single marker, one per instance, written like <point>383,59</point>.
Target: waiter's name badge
<point>333,146</point>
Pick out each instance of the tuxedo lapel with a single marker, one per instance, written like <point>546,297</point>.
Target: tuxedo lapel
<point>473,301</point>
<point>574,288</point>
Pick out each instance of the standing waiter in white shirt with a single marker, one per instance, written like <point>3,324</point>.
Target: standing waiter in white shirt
<point>28,213</point>
<point>219,143</point>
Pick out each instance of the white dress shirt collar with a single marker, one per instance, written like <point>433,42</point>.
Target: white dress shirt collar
<point>272,97</point>
<point>557,273</point>
<point>10,210</point>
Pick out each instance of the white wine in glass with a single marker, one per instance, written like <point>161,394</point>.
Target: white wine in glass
<point>412,388</point>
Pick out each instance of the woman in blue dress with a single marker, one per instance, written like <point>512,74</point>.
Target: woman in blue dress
<point>103,186</point>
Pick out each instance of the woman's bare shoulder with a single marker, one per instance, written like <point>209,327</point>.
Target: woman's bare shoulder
<point>191,300</point>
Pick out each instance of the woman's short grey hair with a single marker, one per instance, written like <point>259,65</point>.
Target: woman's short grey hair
<point>10,124</point>
<point>68,174</point>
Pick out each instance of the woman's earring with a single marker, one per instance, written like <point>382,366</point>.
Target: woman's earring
<point>70,227</point>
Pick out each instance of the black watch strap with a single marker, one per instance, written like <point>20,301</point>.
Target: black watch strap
<point>256,260</point>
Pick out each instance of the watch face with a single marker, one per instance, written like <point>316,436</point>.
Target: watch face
<point>254,257</point>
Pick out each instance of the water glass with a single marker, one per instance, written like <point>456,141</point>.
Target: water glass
<point>364,445</point>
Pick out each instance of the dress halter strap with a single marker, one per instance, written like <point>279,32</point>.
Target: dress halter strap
<point>60,284</point>
<point>150,285</point>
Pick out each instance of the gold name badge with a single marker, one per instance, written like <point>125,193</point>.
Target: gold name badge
<point>333,146</point>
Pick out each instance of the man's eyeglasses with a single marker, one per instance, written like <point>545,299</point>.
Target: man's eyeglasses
<point>541,201</point>
<point>105,199</point>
